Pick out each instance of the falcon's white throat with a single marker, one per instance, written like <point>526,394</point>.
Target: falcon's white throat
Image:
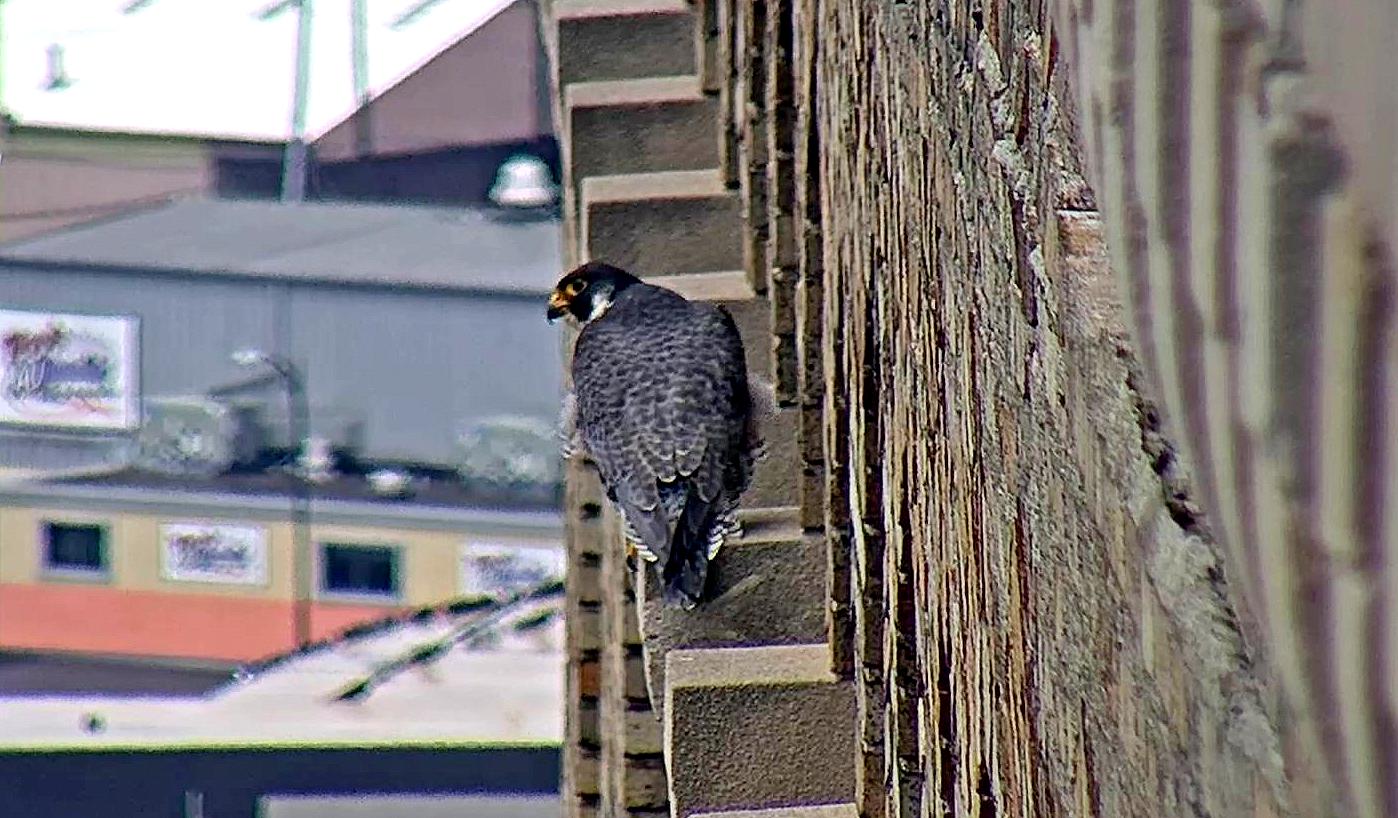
<point>600,302</point>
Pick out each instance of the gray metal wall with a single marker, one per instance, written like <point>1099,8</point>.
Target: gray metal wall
<point>414,365</point>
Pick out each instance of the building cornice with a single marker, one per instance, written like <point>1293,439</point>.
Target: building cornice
<point>275,507</point>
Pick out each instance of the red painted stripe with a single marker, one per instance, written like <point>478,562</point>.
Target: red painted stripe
<point>100,619</point>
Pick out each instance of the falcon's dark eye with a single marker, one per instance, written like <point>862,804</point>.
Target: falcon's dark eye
<point>576,286</point>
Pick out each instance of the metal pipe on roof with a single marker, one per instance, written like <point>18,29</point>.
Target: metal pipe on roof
<point>295,166</point>
<point>359,62</point>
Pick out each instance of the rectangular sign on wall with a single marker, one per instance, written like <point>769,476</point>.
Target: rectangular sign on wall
<point>204,552</point>
<point>501,569</point>
<point>68,370</point>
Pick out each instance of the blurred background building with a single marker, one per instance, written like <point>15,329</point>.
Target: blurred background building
<point>411,331</point>
<point>277,400</point>
<point>112,104</point>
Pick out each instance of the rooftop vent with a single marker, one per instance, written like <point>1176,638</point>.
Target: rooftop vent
<point>511,453</point>
<point>195,436</point>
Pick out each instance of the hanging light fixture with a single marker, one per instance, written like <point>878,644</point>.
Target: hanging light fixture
<point>523,181</point>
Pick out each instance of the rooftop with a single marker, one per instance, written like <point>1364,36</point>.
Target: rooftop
<point>437,500</point>
<point>423,247</point>
<point>222,70</point>
<point>457,675</point>
<point>429,487</point>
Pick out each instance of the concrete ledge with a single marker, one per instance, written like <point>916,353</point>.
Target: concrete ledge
<point>755,326</point>
<point>640,187</point>
<point>623,39</point>
<point>640,126</point>
<point>729,286</point>
<point>772,719</point>
<point>770,524</point>
<point>783,665</point>
<point>820,811</point>
<point>587,9</point>
<point>662,223</point>
<point>766,588</point>
<point>643,91</point>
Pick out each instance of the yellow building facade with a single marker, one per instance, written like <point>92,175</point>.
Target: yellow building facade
<point>132,570</point>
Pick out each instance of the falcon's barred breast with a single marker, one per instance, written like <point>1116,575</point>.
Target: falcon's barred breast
<point>661,402</point>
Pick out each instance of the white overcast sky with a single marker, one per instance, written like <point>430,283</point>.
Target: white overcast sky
<point>209,67</point>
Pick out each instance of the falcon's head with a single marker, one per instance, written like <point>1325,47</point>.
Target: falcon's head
<point>584,294</point>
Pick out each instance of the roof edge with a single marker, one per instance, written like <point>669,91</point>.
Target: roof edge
<point>275,506</point>
<point>412,68</point>
<point>224,274</point>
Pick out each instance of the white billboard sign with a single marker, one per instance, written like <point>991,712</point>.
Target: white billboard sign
<point>205,552</point>
<point>68,370</point>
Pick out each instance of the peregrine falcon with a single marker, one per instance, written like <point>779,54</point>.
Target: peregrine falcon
<point>662,404</point>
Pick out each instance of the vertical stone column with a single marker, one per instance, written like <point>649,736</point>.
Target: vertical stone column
<point>751,124</point>
<point>582,739</point>
<point>633,763</point>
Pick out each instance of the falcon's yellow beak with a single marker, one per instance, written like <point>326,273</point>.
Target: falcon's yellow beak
<point>558,305</point>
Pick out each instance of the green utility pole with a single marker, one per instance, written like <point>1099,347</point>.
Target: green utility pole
<point>359,59</point>
<point>4,42</point>
<point>295,165</point>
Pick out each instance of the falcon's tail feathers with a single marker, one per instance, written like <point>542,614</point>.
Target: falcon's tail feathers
<point>649,529</point>
<point>687,569</point>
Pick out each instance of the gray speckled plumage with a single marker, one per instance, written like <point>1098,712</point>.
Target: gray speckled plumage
<point>662,405</point>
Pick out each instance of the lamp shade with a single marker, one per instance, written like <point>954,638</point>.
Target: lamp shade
<point>523,181</point>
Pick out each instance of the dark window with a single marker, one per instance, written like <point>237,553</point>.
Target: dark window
<point>75,547</point>
<point>359,569</point>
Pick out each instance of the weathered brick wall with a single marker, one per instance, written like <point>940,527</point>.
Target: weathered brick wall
<point>1085,307</point>
<point>1243,153</point>
<point>1040,621</point>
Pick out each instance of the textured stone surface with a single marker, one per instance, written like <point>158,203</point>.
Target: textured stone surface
<point>822,811</point>
<point>1083,511</point>
<point>768,587</point>
<point>632,770</point>
<point>756,728</point>
<point>754,320</point>
<point>706,35</point>
<point>777,479</point>
<point>623,39</point>
<point>1014,648</point>
<point>639,126</point>
<point>660,223</point>
<point>1244,158</point>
